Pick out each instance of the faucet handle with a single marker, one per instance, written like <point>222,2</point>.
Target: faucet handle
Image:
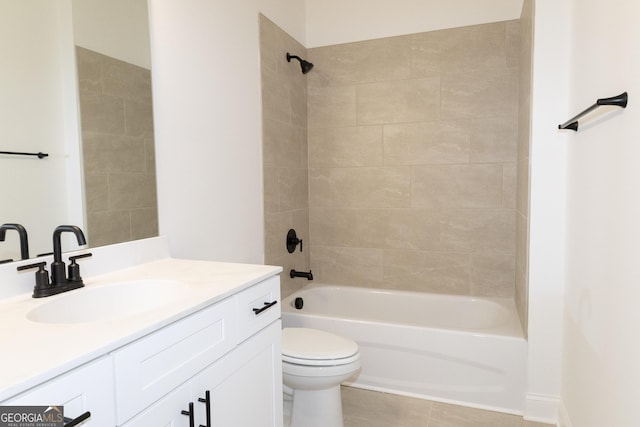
<point>42,277</point>
<point>293,241</point>
<point>73,269</point>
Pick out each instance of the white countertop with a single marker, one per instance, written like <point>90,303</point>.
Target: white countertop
<point>33,352</point>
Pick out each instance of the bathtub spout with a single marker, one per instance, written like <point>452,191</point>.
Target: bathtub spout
<point>294,273</point>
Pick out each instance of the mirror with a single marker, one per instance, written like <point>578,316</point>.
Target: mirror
<point>76,70</point>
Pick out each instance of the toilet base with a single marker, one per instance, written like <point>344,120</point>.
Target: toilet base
<point>317,408</point>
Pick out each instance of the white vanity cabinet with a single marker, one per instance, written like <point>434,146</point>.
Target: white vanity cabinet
<point>245,387</point>
<point>229,351</point>
<point>241,388</point>
<point>87,388</point>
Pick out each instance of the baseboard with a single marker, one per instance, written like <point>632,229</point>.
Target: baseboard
<point>541,408</point>
<point>563,416</point>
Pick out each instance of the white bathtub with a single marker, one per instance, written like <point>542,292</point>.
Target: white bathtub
<point>455,349</point>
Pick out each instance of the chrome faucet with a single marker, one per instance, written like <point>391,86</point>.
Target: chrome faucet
<point>24,241</point>
<point>60,281</point>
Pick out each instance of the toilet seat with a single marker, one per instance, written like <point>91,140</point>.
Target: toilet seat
<point>312,347</point>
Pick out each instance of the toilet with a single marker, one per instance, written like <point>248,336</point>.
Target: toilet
<point>314,363</point>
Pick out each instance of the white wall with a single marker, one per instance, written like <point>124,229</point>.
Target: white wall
<point>207,114</point>
<point>38,112</point>
<point>547,207</point>
<point>332,22</point>
<point>601,372</point>
<point>288,15</point>
<point>116,28</point>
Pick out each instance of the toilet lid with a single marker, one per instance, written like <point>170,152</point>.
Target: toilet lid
<point>313,347</point>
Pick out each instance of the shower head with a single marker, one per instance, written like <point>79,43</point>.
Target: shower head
<point>306,66</point>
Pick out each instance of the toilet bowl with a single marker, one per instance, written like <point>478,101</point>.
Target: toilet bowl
<point>314,363</point>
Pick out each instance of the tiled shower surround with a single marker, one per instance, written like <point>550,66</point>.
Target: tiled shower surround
<point>118,149</point>
<point>412,148</point>
<point>412,161</point>
<point>284,123</point>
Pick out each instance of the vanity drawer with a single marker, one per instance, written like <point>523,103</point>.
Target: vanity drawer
<point>88,388</point>
<point>154,365</point>
<point>256,307</point>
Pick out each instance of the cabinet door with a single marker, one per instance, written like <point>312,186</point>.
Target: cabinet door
<point>154,365</point>
<point>166,412</point>
<point>87,388</point>
<point>245,386</point>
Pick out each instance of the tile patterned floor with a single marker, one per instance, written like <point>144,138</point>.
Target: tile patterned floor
<point>363,408</point>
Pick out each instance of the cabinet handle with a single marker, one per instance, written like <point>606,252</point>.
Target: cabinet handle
<point>267,305</point>
<point>207,402</point>
<point>192,422</point>
<point>69,422</point>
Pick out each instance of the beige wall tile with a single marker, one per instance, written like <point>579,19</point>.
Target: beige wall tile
<point>521,300</point>
<point>493,139</point>
<point>478,230</point>
<point>436,272</point>
<point>467,186</point>
<point>96,192</point>
<point>331,107</point>
<point>522,187</point>
<point>347,266</point>
<point>89,65</point>
<point>350,146</point>
<point>293,189</point>
<point>427,143</point>
<point>275,97</point>
<point>268,45</point>
<point>399,228</point>
<point>283,144</point>
<point>105,228</point>
<point>473,47</point>
<point>492,275</point>
<point>132,191</point>
<point>361,62</point>
<point>113,153</point>
<point>522,242</point>
<point>126,81</point>
<point>276,226</point>
<point>138,118</point>
<point>115,97</point>
<point>150,154</point>
<point>285,164</point>
<point>412,148</point>
<point>468,94</point>
<point>509,182</point>
<point>453,230</point>
<point>371,187</point>
<point>101,113</point>
<point>320,188</point>
<point>522,198</point>
<point>144,223</point>
<point>271,190</point>
<point>513,42</point>
<point>399,101</point>
<point>334,227</point>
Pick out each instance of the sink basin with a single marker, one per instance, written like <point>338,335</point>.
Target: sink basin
<point>108,302</point>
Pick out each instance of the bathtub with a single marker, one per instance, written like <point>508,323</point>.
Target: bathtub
<point>455,349</point>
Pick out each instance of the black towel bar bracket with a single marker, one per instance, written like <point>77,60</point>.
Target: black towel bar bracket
<point>39,155</point>
<point>615,101</point>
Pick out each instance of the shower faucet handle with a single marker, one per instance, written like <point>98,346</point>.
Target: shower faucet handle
<point>293,241</point>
